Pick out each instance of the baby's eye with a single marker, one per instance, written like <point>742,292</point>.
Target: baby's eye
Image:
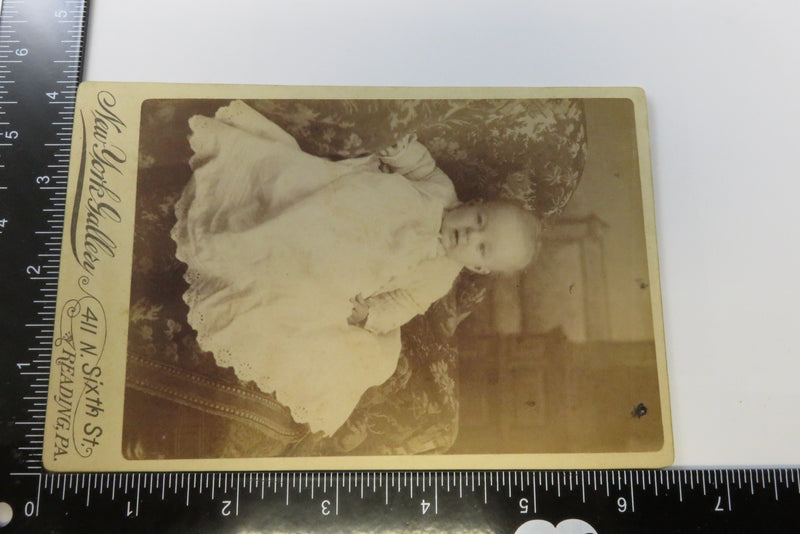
<point>479,220</point>
<point>482,249</point>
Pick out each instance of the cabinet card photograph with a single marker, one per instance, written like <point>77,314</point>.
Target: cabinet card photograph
<point>358,278</point>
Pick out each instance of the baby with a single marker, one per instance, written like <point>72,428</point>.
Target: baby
<point>276,241</point>
<point>483,237</point>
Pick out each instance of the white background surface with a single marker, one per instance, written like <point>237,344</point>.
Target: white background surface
<point>723,84</point>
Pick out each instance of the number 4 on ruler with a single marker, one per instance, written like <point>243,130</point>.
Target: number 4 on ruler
<point>425,506</point>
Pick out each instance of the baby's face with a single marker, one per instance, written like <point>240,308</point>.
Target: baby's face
<point>486,237</point>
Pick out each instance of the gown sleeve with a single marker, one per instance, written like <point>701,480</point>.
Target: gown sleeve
<point>390,310</point>
<point>415,162</point>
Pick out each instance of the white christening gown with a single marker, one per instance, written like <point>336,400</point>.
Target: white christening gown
<point>278,241</point>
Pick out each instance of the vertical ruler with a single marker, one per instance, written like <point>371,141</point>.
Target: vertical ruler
<point>41,50</point>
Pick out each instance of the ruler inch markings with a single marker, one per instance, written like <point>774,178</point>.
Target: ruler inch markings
<point>35,22</point>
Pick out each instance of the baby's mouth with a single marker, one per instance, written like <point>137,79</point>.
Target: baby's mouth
<point>450,237</point>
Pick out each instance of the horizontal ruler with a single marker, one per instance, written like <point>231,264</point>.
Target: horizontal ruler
<point>674,500</point>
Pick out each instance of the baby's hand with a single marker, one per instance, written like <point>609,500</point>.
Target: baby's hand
<point>398,147</point>
<point>358,316</point>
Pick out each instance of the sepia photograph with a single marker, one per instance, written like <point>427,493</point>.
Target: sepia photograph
<point>389,277</point>
<point>472,279</point>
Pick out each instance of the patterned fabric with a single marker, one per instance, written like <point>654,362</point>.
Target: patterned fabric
<point>532,152</point>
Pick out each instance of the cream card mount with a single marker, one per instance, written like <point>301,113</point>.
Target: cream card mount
<point>283,278</point>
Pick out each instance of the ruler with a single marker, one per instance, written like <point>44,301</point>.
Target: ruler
<point>670,501</point>
<point>41,48</point>
<point>41,52</point>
